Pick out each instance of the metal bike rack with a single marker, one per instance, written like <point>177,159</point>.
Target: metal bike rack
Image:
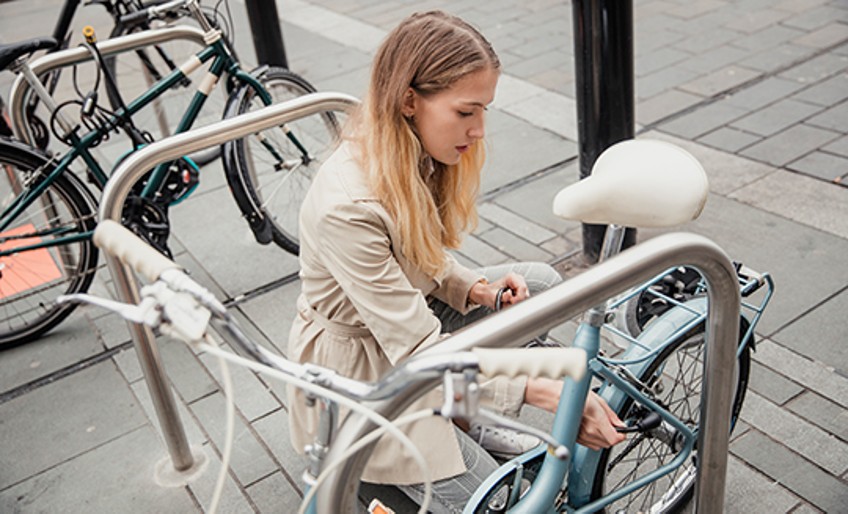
<point>21,88</point>
<point>115,194</point>
<point>561,303</point>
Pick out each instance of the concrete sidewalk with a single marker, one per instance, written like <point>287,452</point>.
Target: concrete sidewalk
<point>757,90</point>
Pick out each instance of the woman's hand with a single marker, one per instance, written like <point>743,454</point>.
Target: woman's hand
<point>597,426</point>
<point>485,294</point>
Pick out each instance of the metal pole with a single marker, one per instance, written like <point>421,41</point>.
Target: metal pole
<point>603,62</point>
<point>111,205</point>
<point>154,373</point>
<point>561,303</point>
<point>267,35</point>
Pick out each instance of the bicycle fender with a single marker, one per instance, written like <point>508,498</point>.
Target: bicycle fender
<point>259,225</point>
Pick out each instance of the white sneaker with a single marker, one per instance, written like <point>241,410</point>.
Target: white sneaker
<point>503,442</point>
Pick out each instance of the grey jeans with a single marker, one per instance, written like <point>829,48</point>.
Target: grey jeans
<point>451,494</point>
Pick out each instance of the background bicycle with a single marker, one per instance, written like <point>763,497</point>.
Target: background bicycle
<point>137,70</point>
<point>31,232</point>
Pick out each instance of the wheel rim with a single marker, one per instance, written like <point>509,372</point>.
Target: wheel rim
<point>31,281</point>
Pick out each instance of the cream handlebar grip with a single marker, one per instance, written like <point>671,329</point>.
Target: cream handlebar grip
<point>534,362</point>
<point>117,240</point>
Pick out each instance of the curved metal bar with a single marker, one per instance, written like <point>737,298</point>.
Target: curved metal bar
<point>176,146</point>
<point>561,303</point>
<point>21,88</point>
<point>115,194</point>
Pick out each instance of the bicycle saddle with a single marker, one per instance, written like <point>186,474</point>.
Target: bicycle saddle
<point>10,52</point>
<point>637,183</point>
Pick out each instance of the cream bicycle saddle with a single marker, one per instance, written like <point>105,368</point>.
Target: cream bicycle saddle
<point>637,183</point>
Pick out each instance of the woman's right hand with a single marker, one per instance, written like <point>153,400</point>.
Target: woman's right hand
<point>598,423</point>
<point>486,294</point>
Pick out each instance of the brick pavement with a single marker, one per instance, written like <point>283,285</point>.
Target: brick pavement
<point>755,89</point>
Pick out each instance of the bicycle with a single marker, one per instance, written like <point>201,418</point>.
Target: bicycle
<point>48,212</point>
<point>127,16</point>
<point>560,475</point>
<point>636,183</point>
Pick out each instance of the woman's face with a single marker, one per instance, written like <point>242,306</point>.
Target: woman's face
<point>450,121</point>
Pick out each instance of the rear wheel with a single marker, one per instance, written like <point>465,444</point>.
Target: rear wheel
<point>675,378</point>
<point>270,168</point>
<point>31,280</point>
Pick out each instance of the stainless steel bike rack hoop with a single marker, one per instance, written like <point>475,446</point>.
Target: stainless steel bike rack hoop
<point>115,194</point>
<point>561,303</point>
<point>21,88</point>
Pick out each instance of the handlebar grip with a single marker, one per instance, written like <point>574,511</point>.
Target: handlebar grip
<point>553,363</point>
<point>134,18</point>
<point>117,240</point>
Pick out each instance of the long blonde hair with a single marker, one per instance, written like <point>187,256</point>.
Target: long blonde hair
<point>432,207</point>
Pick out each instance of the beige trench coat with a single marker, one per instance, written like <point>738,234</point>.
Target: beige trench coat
<point>363,309</point>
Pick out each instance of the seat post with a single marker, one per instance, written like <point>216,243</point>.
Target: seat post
<point>613,239</point>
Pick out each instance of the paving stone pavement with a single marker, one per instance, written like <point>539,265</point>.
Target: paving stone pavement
<point>756,89</point>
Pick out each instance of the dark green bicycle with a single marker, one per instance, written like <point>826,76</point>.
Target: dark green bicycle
<point>47,212</point>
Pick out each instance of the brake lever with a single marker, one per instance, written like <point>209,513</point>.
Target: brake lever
<point>145,312</point>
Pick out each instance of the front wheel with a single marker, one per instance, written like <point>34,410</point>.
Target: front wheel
<point>675,377</point>
<point>274,168</point>
<point>32,275</point>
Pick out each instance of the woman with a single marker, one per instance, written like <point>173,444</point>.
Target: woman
<point>377,282</point>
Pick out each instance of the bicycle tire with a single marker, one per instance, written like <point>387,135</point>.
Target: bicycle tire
<point>160,119</point>
<point>30,281</point>
<point>273,195</point>
<point>624,463</point>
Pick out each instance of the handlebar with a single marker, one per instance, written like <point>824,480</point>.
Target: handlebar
<point>120,242</point>
<point>157,11</point>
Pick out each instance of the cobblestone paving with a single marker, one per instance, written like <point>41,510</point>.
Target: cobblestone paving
<point>756,89</point>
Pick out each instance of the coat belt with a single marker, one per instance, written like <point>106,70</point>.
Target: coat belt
<point>333,327</point>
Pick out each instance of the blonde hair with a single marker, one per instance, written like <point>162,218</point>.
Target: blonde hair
<point>432,208</point>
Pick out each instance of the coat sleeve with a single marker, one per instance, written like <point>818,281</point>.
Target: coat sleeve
<point>454,285</point>
<point>356,250</point>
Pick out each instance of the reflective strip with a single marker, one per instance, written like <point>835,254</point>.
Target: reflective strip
<point>208,83</point>
<point>190,65</point>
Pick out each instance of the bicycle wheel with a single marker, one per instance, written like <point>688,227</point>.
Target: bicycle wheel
<point>675,377</point>
<point>30,280</point>
<point>269,168</point>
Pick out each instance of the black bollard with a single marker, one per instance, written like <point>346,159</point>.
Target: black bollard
<point>267,35</point>
<point>603,61</point>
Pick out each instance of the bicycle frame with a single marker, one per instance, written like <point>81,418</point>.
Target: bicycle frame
<point>615,390</point>
<point>221,60</point>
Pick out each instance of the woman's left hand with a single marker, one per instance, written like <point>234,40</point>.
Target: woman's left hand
<point>486,294</point>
